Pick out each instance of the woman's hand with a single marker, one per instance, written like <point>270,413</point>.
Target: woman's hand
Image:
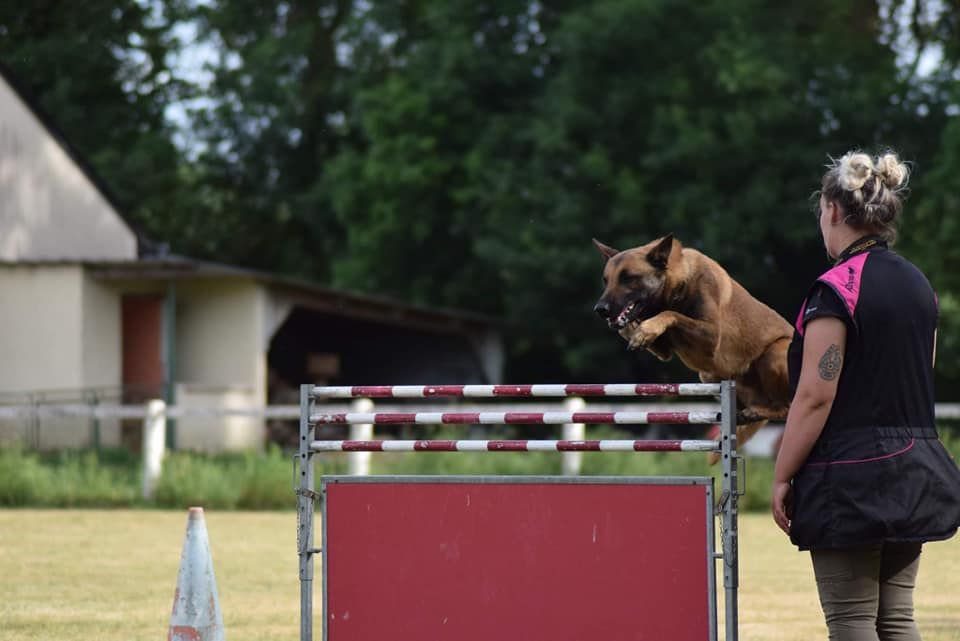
<point>781,504</point>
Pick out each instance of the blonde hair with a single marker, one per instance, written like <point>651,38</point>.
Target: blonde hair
<point>870,190</point>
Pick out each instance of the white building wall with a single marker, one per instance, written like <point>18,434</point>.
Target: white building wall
<point>60,334</point>
<point>60,329</point>
<point>102,335</point>
<point>49,209</point>
<point>102,347</point>
<point>41,328</point>
<point>221,360</point>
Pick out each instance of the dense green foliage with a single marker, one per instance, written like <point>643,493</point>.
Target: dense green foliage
<point>111,478</point>
<point>463,153</point>
<point>258,482</point>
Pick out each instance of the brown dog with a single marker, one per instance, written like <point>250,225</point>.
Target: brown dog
<point>670,299</point>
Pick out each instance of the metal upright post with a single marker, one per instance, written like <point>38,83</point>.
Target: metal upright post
<point>358,463</point>
<point>170,359</point>
<point>729,498</point>
<point>93,401</point>
<point>305,503</point>
<point>571,462</point>
<point>153,446</point>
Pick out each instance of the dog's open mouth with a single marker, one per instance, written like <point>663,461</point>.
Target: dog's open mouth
<point>625,316</point>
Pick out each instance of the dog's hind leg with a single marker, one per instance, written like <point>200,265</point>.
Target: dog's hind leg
<point>761,413</point>
<point>770,371</point>
<point>745,432</point>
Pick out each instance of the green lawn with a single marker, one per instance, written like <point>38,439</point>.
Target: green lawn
<point>110,575</point>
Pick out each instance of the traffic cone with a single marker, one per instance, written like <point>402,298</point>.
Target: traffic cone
<point>196,608</point>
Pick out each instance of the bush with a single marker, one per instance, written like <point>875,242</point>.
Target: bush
<point>65,479</point>
<point>252,481</point>
<point>111,478</point>
<point>22,478</point>
<point>194,479</point>
<point>81,479</point>
<point>266,482</point>
<point>247,481</point>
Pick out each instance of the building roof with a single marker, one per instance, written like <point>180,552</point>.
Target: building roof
<point>305,293</point>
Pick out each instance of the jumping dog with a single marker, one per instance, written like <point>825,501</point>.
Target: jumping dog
<point>670,299</point>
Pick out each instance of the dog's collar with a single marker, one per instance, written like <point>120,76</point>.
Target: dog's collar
<point>861,245</point>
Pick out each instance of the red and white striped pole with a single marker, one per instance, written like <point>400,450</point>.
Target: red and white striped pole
<point>517,418</point>
<point>516,446</point>
<point>518,391</point>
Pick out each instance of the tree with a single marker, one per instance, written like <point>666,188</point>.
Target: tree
<point>931,221</point>
<point>406,192</point>
<point>272,121</point>
<point>463,154</point>
<point>480,183</point>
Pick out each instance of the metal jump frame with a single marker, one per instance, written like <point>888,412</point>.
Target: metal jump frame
<point>727,447</point>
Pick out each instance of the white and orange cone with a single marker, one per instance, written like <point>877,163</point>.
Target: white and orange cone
<point>196,608</point>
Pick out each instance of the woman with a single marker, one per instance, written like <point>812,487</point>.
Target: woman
<point>861,479</point>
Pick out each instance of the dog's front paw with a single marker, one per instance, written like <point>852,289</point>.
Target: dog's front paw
<point>639,335</point>
<point>628,333</point>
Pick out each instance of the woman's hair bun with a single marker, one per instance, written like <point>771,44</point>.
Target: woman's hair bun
<point>869,189</point>
<point>853,170</point>
<point>892,171</point>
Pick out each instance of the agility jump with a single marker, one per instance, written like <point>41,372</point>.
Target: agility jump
<point>455,557</point>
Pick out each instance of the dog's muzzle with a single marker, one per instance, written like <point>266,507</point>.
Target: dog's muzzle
<point>602,309</point>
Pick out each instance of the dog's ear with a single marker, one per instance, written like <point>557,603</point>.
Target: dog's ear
<point>659,256</point>
<point>608,252</point>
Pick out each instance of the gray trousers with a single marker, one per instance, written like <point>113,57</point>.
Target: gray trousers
<point>866,592</point>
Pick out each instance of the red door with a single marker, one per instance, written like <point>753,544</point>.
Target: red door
<point>143,374</point>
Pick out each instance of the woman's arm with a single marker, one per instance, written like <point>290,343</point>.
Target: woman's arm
<point>823,348</point>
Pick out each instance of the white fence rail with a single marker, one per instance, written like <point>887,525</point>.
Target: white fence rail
<point>292,412</point>
<point>155,414</point>
<point>944,411</point>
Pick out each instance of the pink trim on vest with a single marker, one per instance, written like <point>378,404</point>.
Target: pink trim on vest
<point>909,447</point>
<point>846,278</point>
<point>799,322</point>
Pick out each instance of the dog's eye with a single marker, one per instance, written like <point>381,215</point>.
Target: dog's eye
<point>626,278</point>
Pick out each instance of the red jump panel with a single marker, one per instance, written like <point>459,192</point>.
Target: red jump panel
<point>538,561</point>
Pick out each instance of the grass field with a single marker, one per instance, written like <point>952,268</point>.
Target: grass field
<point>110,575</point>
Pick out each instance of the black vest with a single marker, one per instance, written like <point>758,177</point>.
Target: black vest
<point>891,315</point>
<point>877,472</point>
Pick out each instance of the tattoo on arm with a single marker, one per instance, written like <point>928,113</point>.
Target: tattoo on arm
<point>830,363</point>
